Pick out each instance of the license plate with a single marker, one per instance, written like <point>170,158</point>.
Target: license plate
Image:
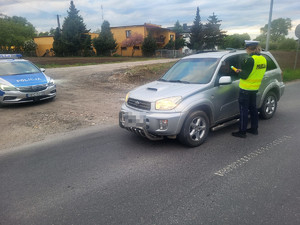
<point>134,120</point>
<point>35,94</point>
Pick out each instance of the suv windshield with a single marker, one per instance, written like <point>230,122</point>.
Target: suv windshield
<point>198,71</point>
<point>17,67</point>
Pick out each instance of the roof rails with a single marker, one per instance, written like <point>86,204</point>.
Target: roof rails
<point>205,51</point>
<point>10,56</point>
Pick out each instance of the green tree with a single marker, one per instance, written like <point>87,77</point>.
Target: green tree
<point>170,45</point>
<point>30,47</point>
<point>279,29</point>
<point>74,38</point>
<point>214,36</point>
<point>58,46</point>
<point>41,34</point>
<point>179,41</point>
<point>105,44</point>
<point>14,32</point>
<point>47,33</point>
<point>235,41</point>
<point>197,34</point>
<point>149,46</point>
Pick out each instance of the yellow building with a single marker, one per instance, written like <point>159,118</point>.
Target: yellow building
<point>44,45</point>
<point>162,36</point>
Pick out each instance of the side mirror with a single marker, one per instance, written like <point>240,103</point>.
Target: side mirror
<point>225,80</point>
<point>43,70</point>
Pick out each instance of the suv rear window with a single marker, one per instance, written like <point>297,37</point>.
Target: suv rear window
<point>270,63</point>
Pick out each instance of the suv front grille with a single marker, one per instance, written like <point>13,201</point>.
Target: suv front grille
<point>33,88</point>
<point>139,104</point>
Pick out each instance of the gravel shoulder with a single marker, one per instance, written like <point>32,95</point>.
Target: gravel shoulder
<point>86,96</point>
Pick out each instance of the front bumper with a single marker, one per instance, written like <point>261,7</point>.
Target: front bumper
<point>12,97</point>
<point>147,123</point>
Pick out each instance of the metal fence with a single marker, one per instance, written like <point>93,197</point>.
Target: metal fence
<point>165,53</point>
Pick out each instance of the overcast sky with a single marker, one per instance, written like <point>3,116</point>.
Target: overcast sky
<point>238,16</point>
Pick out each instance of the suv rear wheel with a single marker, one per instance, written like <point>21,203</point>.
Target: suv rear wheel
<point>195,129</point>
<point>269,106</point>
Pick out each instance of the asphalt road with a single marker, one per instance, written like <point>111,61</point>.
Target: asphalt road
<point>110,176</point>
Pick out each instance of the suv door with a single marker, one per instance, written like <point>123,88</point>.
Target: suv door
<point>225,99</point>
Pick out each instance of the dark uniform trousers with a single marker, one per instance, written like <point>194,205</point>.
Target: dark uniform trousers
<point>247,100</point>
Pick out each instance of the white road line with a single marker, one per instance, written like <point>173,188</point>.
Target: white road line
<point>252,155</point>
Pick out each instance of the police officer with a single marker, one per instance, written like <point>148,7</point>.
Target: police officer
<point>251,75</point>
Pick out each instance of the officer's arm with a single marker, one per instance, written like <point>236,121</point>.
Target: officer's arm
<point>246,68</point>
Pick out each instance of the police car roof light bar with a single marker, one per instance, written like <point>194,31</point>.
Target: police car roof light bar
<point>10,56</point>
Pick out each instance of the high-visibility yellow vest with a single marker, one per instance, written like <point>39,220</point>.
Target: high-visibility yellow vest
<point>252,83</point>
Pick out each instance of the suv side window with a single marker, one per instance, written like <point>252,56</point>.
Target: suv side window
<point>225,69</point>
<point>270,63</point>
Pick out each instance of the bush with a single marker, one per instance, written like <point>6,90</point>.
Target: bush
<point>149,46</point>
<point>287,44</point>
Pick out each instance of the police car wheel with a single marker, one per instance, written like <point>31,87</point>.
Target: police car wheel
<point>195,129</point>
<point>269,106</point>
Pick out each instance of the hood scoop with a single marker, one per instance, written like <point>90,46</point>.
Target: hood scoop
<point>152,89</point>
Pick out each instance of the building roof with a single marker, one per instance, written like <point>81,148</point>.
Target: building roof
<point>147,25</point>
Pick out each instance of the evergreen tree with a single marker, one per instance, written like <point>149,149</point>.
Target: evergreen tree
<point>74,38</point>
<point>179,41</point>
<point>170,45</point>
<point>105,43</point>
<point>149,46</point>
<point>213,35</point>
<point>197,34</point>
<point>58,46</point>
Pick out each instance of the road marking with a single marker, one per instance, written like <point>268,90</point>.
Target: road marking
<point>252,155</point>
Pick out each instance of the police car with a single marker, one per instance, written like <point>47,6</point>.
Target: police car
<point>22,81</point>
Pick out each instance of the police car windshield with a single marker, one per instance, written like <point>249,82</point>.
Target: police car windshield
<point>197,71</point>
<point>13,67</point>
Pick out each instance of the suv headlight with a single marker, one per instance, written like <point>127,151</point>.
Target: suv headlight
<point>126,98</point>
<point>5,87</point>
<point>168,103</point>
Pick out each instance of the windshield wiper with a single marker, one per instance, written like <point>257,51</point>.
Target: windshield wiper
<point>161,79</point>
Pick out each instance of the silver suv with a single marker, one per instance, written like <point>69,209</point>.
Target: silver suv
<point>198,93</point>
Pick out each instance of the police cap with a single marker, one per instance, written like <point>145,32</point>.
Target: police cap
<point>251,43</point>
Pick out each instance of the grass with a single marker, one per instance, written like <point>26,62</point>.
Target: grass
<point>291,74</point>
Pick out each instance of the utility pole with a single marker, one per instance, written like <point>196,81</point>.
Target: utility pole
<point>58,23</point>
<point>269,26</point>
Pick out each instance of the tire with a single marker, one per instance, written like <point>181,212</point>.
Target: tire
<point>269,106</point>
<point>195,129</point>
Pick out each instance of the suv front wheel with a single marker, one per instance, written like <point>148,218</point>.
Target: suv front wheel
<point>269,106</point>
<point>195,129</point>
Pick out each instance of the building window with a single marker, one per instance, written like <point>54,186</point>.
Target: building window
<point>171,37</point>
<point>136,47</point>
<point>123,48</point>
<point>128,33</point>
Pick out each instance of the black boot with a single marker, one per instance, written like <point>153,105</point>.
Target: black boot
<point>252,131</point>
<point>240,134</point>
